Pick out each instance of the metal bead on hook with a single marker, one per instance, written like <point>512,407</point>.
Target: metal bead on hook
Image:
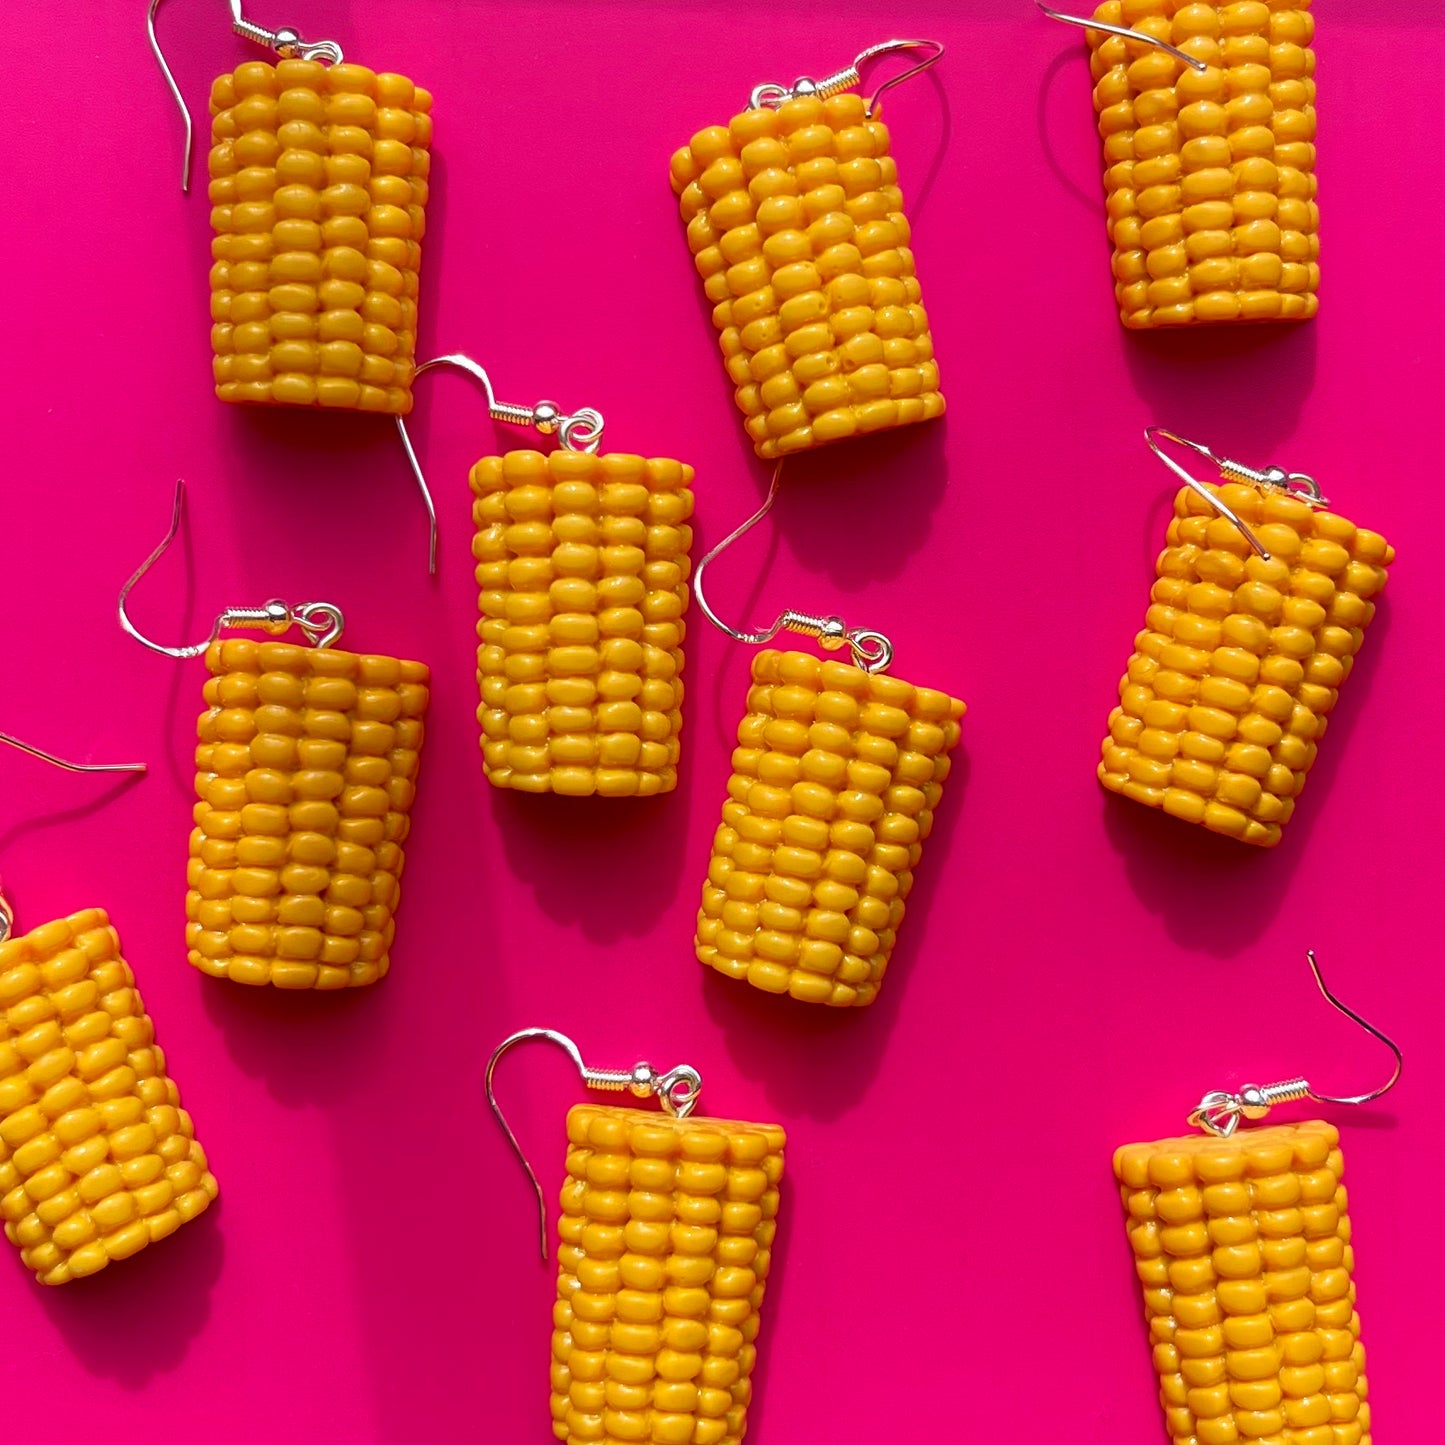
<point>772,95</point>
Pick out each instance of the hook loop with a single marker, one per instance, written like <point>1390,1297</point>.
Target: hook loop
<point>871,651</point>
<point>678,1089</point>
<point>1125,34</point>
<point>578,431</point>
<point>284,41</point>
<point>321,622</point>
<point>1268,479</point>
<point>1219,1112</point>
<point>772,95</point>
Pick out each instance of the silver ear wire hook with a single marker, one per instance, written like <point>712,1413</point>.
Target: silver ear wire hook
<point>1124,34</point>
<point>1269,479</point>
<point>284,41</point>
<point>1220,1111</point>
<point>578,431</point>
<point>678,1089</point>
<point>321,622</point>
<point>871,651</point>
<point>773,95</point>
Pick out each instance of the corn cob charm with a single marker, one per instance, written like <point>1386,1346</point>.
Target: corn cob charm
<point>1260,604</point>
<point>97,1158</point>
<point>796,226</point>
<point>1209,166</point>
<point>835,779</point>
<point>666,1242</point>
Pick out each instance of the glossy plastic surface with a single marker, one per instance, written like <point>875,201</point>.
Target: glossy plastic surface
<point>1242,1246</point>
<point>1210,174</point>
<point>796,226</point>
<point>97,1157</point>
<point>318,188</point>
<point>666,1243</point>
<point>305,775</point>
<point>582,561</point>
<point>1241,660</point>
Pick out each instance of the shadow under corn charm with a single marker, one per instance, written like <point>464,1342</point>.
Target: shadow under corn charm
<point>796,225</point>
<point>665,1247</point>
<point>1261,602</point>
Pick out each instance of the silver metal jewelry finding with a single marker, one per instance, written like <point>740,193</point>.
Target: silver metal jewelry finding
<point>284,41</point>
<point>578,431</point>
<point>1268,479</point>
<point>871,651</point>
<point>321,622</point>
<point>677,1089</point>
<point>773,95</point>
<point>1124,34</point>
<point>1219,1112</point>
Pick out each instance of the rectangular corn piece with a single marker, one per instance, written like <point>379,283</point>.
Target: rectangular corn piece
<point>835,779</point>
<point>97,1157</point>
<point>582,566</point>
<point>306,772</point>
<point>1242,1247</point>
<point>1241,660</point>
<point>796,226</point>
<point>318,189</point>
<point>1210,175</point>
<point>666,1240</point>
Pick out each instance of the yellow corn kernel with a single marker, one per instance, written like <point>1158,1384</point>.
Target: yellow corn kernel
<point>835,779</point>
<point>305,776</point>
<point>318,188</point>
<point>1242,1247</point>
<point>1227,694</point>
<point>1210,175</point>
<point>97,1157</point>
<point>666,1239</point>
<point>796,226</point>
<point>582,566</point>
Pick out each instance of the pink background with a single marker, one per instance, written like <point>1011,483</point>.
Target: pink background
<point>1075,970</point>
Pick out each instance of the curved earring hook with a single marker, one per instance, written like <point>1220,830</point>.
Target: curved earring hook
<point>1124,34</point>
<point>66,764</point>
<point>678,1089</point>
<point>769,93</point>
<point>1220,1111</point>
<point>578,431</point>
<point>321,622</point>
<point>871,651</point>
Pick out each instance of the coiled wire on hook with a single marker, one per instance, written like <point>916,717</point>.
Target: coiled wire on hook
<point>772,95</point>
<point>321,622</point>
<point>871,651</point>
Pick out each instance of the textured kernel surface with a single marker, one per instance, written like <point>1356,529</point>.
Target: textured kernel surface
<point>1241,660</point>
<point>305,775</point>
<point>318,189</point>
<point>666,1238</point>
<point>1242,1247</point>
<point>1210,176</point>
<point>796,226</point>
<point>97,1157</point>
<point>582,568</point>
<point>835,779</point>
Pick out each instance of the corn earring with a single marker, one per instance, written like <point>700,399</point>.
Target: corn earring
<point>318,187</point>
<point>665,1244</point>
<point>305,775</point>
<point>582,562</point>
<point>1260,603</point>
<point>836,776</point>
<point>97,1157</point>
<point>1242,1245</point>
<point>796,226</point>
<point>1207,114</point>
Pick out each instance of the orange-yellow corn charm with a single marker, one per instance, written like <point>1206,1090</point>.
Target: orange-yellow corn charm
<point>1210,171</point>
<point>1241,658</point>
<point>835,779</point>
<point>97,1158</point>
<point>582,564</point>
<point>796,226</point>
